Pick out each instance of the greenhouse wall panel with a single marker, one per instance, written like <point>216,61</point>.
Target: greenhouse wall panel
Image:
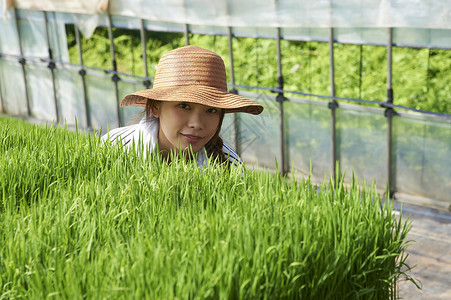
<point>9,41</point>
<point>228,133</point>
<point>362,144</point>
<point>421,149</point>
<point>32,34</point>
<point>130,114</point>
<point>102,101</point>
<point>40,92</point>
<point>423,157</point>
<point>309,137</point>
<point>260,135</point>
<point>12,88</point>
<point>71,104</point>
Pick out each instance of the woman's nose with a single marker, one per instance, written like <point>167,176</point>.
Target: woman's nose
<point>195,120</point>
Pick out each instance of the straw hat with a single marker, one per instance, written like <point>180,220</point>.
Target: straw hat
<point>193,74</point>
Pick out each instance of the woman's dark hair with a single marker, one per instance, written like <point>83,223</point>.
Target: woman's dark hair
<point>213,147</point>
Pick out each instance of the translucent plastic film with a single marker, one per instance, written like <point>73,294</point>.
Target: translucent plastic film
<point>13,88</point>
<point>79,6</point>
<point>289,13</point>
<point>362,144</point>
<point>40,92</point>
<point>309,137</point>
<point>9,40</point>
<point>258,136</point>
<point>103,105</point>
<point>130,114</point>
<point>71,104</point>
<point>421,147</point>
<point>422,157</point>
<point>32,30</point>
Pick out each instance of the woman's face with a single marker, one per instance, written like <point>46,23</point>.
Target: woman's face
<point>185,125</point>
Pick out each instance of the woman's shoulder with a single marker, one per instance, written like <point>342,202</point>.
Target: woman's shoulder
<point>231,154</point>
<point>122,134</point>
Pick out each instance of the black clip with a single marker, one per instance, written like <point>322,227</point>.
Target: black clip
<point>281,98</point>
<point>22,61</point>
<point>147,83</point>
<point>52,65</point>
<point>115,78</point>
<point>82,72</point>
<point>390,112</point>
<point>333,104</point>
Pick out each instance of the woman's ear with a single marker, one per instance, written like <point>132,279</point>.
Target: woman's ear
<point>155,109</point>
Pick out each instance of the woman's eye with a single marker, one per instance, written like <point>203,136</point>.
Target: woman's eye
<point>212,110</point>
<point>183,105</point>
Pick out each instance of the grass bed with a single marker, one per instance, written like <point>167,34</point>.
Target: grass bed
<point>80,220</point>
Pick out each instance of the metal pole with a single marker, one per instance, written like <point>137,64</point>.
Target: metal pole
<point>52,67</point>
<point>390,113</point>
<point>143,45</point>
<point>115,77</point>
<point>2,104</point>
<point>333,105</point>
<point>281,99</point>
<point>360,71</point>
<point>389,66</point>
<point>186,35</point>
<point>22,61</point>
<point>82,73</point>
<point>236,123</point>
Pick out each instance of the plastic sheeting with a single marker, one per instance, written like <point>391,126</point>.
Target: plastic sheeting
<point>79,6</point>
<point>266,13</point>
<point>258,136</point>
<point>33,36</point>
<point>362,144</point>
<point>421,23</point>
<point>422,145</point>
<point>423,156</point>
<point>12,88</point>
<point>308,126</point>
<point>409,37</point>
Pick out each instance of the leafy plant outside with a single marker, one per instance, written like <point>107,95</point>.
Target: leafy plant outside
<point>420,76</point>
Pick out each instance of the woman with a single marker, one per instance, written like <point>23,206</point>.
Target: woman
<point>185,108</point>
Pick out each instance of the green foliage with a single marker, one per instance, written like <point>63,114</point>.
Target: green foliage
<point>420,79</point>
<point>85,220</point>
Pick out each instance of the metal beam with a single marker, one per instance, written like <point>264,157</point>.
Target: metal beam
<point>144,52</point>
<point>22,61</point>
<point>2,104</point>
<point>52,67</point>
<point>236,120</point>
<point>281,99</point>
<point>82,73</point>
<point>390,113</point>
<point>115,77</point>
<point>186,35</point>
<point>333,105</point>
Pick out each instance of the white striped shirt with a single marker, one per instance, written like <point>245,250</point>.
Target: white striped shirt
<point>146,133</point>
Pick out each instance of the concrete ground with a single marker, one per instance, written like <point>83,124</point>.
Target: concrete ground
<point>429,253</point>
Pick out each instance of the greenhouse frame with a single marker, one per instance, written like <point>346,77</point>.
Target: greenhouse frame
<point>404,150</point>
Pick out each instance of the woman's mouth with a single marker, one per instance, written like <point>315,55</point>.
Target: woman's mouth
<point>191,138</point>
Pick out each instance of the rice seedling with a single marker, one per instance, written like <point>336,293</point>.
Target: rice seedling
<point>84,220</point>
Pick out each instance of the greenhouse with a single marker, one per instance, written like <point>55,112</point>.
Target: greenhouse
<point>64,62</point>
<point>410,151</point>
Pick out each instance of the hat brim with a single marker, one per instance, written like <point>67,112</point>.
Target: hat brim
<point>204,95</point>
